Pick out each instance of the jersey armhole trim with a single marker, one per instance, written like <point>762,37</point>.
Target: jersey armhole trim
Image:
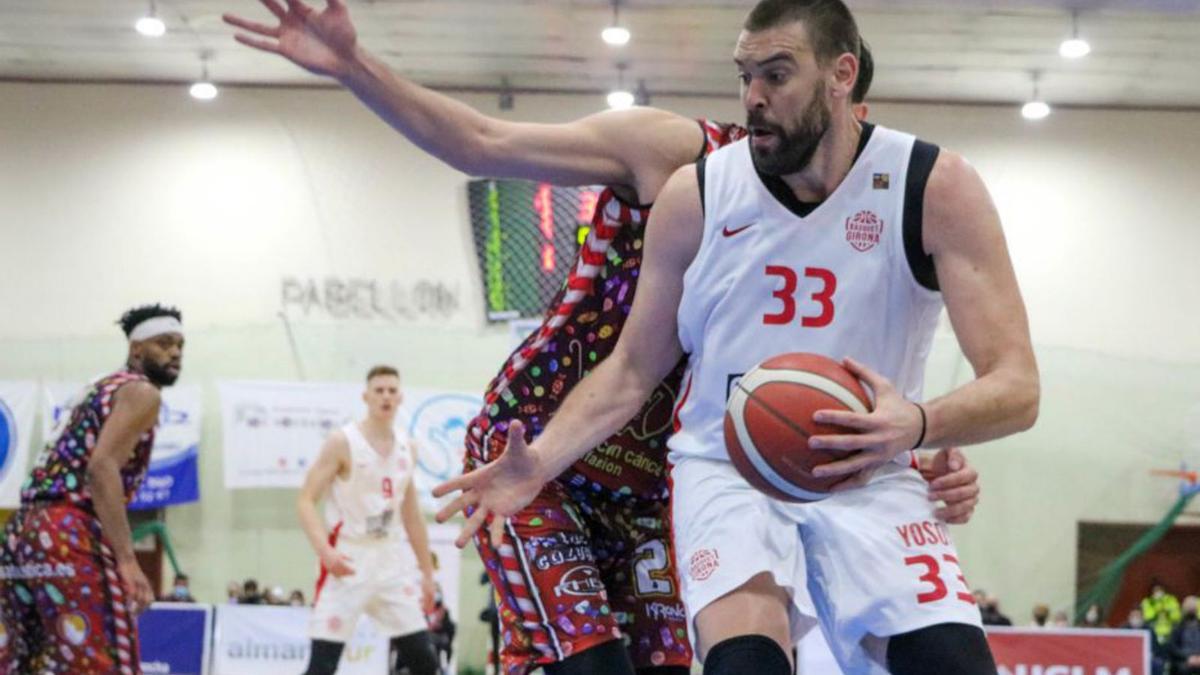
<point>700,163</point>
<point>920,165</point>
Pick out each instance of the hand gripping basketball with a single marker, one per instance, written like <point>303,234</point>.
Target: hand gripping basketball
<point>893,427</point>
<point>493,493</point>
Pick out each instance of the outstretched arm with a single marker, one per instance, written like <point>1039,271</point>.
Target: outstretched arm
<point>597,407</point>
<point>638,148</point>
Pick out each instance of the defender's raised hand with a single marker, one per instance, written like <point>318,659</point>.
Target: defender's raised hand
<point>321,42</point>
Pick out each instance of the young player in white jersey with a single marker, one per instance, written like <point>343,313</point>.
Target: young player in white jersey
<point>364,474</point>
<point>817,234</point>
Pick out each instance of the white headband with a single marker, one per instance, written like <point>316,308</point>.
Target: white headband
<point>152,328</point>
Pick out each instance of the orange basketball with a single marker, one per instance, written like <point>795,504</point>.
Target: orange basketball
<point>769,418</point>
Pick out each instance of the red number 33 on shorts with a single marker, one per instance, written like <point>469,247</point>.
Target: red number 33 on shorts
<point>932,576</point>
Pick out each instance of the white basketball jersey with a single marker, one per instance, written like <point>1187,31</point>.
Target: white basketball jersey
<point>839,281</point>
<point>367,502</point>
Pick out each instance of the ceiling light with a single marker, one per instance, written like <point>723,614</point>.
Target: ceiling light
<point>615,35</point>
<point>150,25</point>
<point>619,99</point>
<point>1036,109</point>
<point>1075,47</point>
<point>203,89</point>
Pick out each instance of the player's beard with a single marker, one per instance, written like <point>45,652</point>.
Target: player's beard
<point>793,150</point>
<point>158,374</point>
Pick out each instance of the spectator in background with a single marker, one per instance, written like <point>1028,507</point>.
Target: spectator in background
<point>1041,613</point>
<point>297,598</point>
<point>1161,610</point>
<point>1061,620</point>
<point>276,596</point>
<point>1157,652</point>
<point>1183,645</point>
<point>180,592</point>
<point>1092,617</point>
<point>250,595</point>
<point>233,593</point>
<point>990,610</point>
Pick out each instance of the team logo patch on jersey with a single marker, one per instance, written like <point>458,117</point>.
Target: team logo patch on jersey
<point>703,563</point>
<point>882,181</point>
<point>863,230</point>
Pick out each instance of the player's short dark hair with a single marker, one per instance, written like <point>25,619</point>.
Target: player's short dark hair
<point>378,371</point>
<point>866,73</point>
<point>831,27</point>
<point>130,319</point>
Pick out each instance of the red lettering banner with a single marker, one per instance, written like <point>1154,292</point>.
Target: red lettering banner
<point>1070,651</point>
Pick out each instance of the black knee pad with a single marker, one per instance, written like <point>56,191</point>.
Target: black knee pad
<point>956,648</point>
<point>323,657</point>
<point>414,652</point>
<point>756,654</point>
<point>610,658</point>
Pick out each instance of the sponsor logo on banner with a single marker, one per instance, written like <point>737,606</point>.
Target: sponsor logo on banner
<point>439,425</point>
<point>1070,651</point>
<point>18,408</point>
<point>259,640</point>
<point>8,439</point>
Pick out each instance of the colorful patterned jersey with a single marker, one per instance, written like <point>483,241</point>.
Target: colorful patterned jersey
<point>60,474</point>
<point>579,331</point>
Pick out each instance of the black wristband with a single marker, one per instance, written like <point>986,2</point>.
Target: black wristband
<point>921,439</point>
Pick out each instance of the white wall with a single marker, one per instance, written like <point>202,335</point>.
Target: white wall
<point>115,195</point>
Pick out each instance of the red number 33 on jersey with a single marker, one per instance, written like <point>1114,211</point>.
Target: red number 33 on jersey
<point>787,296</point>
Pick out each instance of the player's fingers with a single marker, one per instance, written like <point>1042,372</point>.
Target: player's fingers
<point>275,8</point>
<point>954,494</point>
<point>299,8</point>
<point>955,458</point>
<point>258,43</point>
<point>470,527</point>
<point>843,441</point>
<point>956,514</point>
<point>845,467</point>
<point>460,503</point>
<point>516,437</point>
<point>967,476</point>
<point>845,418</point>
<point>252,26</point>
<point>496,530</point>
<point>874,380</point>
<point>335,4</point>
<point>461,482</point>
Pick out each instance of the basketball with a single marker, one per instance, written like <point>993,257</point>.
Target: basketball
<point>769,418</point>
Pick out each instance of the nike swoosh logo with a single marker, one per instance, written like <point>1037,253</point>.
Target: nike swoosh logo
<point>729,233</point>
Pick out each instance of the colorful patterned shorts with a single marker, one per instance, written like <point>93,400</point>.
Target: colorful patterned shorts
<point>578,569</point>
<point>62,607</point>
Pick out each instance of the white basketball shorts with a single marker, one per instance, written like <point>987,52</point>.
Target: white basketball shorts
<point>386,585</point>
<point>875,561</point>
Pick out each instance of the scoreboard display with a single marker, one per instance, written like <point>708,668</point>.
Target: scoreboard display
<point>526,236</point>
